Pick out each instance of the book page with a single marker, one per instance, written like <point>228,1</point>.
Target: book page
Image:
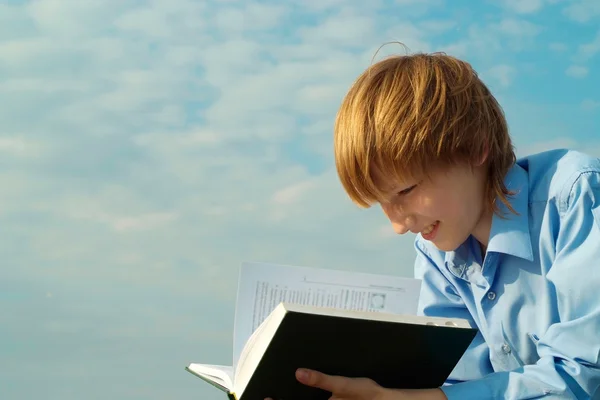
<point>220,376</point>
<point>263,286</point>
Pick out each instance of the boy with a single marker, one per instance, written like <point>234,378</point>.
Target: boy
<point>513,246</point>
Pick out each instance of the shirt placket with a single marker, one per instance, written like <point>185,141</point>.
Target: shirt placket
<point>483,282</point>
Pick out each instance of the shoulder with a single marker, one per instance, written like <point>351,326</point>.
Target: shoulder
<point>561,176</point>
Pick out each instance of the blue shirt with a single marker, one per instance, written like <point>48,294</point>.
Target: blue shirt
<point>535,297</point>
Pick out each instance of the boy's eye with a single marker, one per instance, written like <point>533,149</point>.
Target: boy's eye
<point>406,191</point>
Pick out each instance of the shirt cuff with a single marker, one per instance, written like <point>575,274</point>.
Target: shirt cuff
<point>472,390</point>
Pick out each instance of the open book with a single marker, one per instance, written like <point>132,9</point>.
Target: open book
<point>343,323</point>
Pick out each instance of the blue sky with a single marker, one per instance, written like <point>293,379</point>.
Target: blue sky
<point>149,147</point>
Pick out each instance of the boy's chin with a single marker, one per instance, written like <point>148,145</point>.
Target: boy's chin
<point>444,245</point>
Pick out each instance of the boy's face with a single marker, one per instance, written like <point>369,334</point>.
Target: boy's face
<point>445,208</point>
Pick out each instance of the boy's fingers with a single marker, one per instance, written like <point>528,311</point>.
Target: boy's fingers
<point>333,384</point>
<point>338,385</point>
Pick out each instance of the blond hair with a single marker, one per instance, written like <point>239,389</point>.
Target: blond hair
<point>405,113</point>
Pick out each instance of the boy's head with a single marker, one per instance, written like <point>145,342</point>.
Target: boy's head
<point>406,117</point>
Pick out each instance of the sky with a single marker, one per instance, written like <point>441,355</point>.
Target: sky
<point>147,148</point>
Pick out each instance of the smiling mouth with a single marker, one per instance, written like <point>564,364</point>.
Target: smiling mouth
<point>429,232</point>
<point>429,229</point>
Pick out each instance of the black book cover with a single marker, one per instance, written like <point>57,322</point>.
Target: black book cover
<point>395,355</point>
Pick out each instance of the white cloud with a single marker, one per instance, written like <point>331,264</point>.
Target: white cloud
<point>589,104</point>
<point>583,10</point>
<point>406,2</point>
<point>492,40</point>
<point>417,8</point>
<point>126,223</point>
<point>332,30</point>
<point>589,50</point>
<point>585,52</point>
<point>40,85</point>
<point>19,146</point>
<point>517,27</point>
<point>591,147</point>
<point>558,47</point>
<point>292,193</point>
<point>558,143</point>
<point>438,26</point>
<point>18,52</point>
<point>577,71</point>
<point>65,20</point>
<point>504,74</point>
<point>523,6</point>
<point>252,17</point>
<point>323,5</point>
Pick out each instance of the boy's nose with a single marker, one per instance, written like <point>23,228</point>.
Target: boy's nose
<point>403,225</point>
<point>401,221</point>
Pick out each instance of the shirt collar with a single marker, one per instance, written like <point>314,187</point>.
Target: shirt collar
<point>509,234</point>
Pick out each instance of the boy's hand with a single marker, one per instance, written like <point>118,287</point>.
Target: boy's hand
<point>342,388</point>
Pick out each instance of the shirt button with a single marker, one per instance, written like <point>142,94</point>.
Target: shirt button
<point>491,295</point>
<point>506,348</point>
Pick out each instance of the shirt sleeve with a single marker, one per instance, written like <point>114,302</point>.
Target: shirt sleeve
<point>569,365</point>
